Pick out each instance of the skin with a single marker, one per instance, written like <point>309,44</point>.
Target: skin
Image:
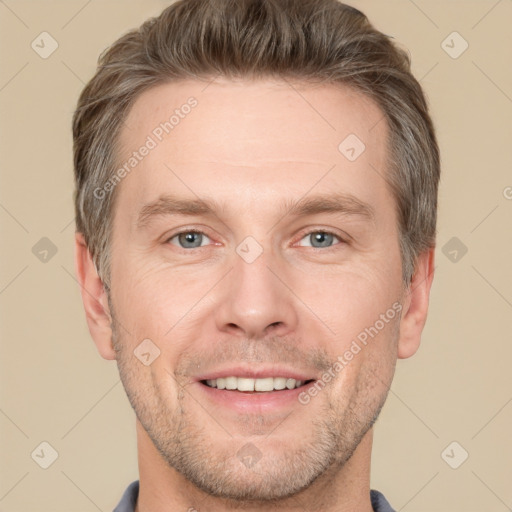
<point>250,145</point>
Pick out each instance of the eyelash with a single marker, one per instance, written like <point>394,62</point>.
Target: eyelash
<point>315,230</point>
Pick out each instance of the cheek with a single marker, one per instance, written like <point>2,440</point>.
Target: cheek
<point>350,299</point>
<point>136,301</point>
<point>360,306</point>
<point>156,301</point>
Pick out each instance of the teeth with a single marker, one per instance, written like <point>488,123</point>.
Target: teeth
<point>246,384</point>
<point>264,384</point>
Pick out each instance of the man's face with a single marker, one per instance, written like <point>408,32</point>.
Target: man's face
<point>265,289</point>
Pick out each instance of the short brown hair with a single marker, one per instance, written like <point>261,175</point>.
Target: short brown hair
<point>308,40</point>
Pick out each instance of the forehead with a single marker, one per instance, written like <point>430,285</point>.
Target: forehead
<point>279,135</point>
<point>264,109</point>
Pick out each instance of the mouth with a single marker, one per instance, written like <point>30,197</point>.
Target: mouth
<point>263,390</point>
<point>255,386</point>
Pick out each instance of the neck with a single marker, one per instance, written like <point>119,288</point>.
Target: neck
<point>340,489</point>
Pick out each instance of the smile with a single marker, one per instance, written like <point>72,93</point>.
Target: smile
<point>248,385</point>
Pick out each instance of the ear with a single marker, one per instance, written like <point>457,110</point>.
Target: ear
<point>94,298</point>
<point>415,306</point>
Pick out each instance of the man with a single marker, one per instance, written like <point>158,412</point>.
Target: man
<point>256,197</point>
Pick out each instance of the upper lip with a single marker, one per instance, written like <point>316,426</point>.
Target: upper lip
<point>259,372</point>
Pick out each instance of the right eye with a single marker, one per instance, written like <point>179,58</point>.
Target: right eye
<point>188,239</point>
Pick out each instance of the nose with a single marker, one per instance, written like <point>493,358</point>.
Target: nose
<point>254,300</point>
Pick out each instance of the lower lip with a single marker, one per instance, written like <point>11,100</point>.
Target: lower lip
<point>256,402</point>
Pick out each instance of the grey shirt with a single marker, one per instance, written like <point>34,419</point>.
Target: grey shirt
<point>127,503</point>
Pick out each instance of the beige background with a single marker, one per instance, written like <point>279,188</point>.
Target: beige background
<point>56,388</point>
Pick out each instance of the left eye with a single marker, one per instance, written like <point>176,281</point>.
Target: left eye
<point>189,239</point>
<point>319,239</point>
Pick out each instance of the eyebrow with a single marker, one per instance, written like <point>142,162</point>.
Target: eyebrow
<point>340,203</point>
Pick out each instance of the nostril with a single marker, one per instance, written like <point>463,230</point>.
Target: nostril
<point>273,326</point>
